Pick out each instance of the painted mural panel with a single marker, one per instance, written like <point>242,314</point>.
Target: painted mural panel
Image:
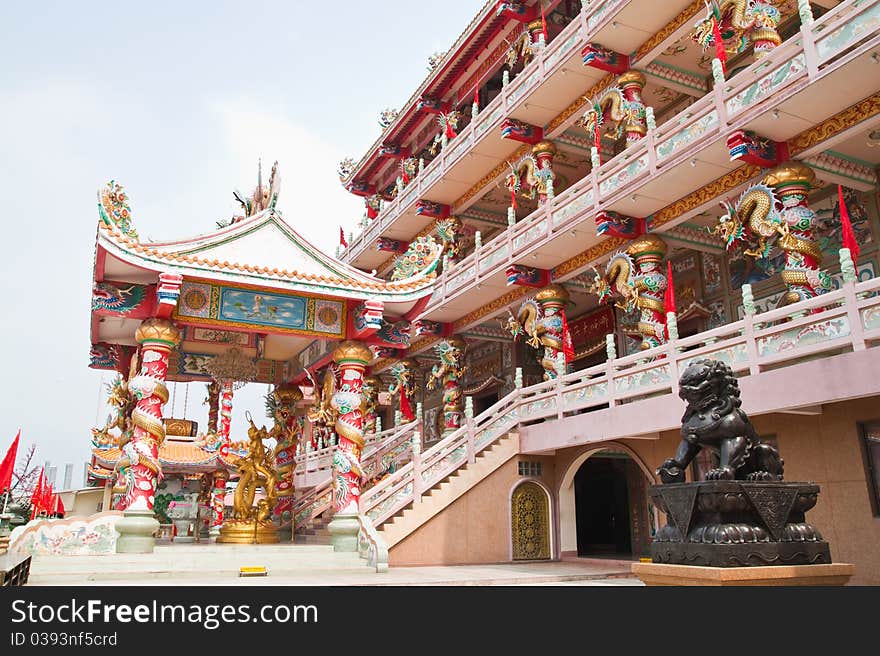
<point>232,306</point>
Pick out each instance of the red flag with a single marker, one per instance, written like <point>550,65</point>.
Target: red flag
<point>849,237</point>
<point>37,496</point>
<point>567,344</point>
<point>405,407</point>
<point>719,44</point>
<point>8,464</point>
<point>46,502</point>
<point>669,294</point>
<point>60,507</point>
<point>543,23</point>
<point>450,133</point>
<point>342,241</point>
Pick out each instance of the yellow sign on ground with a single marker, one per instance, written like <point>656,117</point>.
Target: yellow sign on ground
<point>252,571</point>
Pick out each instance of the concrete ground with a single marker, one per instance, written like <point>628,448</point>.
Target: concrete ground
<point>581,572</point>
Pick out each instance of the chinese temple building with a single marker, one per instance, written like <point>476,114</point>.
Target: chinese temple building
<point>586,151</point>
<point>581,198</point>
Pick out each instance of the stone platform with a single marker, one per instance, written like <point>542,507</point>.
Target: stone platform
<point>780,575</point>
<point>735,524</point>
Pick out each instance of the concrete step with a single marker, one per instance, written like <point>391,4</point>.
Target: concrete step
<point>182,562</point>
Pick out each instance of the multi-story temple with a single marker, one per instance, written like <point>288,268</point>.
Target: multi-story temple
<point>580,199</point>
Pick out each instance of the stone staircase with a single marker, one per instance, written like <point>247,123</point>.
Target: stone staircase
<point>194,562</point>
<point>316,531</point>
<point>444,493</point>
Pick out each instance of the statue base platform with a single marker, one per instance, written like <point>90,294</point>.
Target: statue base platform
<point>731,524</point>
<point>248,532</point>
<point>775,575</point>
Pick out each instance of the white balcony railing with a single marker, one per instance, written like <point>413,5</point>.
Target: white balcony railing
<point>834,40</point>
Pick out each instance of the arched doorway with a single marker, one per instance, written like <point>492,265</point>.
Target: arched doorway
<point>530,522</point>
<point>604,507</point>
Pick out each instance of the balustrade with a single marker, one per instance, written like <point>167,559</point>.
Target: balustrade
<point>839,36</point>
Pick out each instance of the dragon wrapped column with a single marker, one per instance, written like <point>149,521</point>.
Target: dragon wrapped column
<point>403,384</point>
<point>218,500</point>
<point>157,337</point>
<point>450,372</point>
<point>552,300</point>
<point>281,407</point>
<point>213,402</point>
<point>792,182</point>
<point>351,358</point>
<point>370,391</point>
<point>635,123</point>
<point>226,391</point>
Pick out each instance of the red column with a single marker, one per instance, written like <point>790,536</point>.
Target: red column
<point>157,338</point>
<point>218,500</point>
<point>351,358</point>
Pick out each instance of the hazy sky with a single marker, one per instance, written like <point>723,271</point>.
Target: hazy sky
<point>176,101</point>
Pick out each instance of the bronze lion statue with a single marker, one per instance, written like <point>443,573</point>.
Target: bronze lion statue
<point>713,420</point>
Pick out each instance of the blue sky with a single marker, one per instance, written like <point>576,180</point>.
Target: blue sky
<point>176,101</point>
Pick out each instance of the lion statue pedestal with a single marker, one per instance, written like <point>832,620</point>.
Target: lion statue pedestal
<point>743,525</point>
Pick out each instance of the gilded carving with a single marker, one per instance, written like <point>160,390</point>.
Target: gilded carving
<point>850,116</point>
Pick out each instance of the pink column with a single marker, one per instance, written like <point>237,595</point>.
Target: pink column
<point>351,358</point>
<point>218,500</point>
<point>157,338</point>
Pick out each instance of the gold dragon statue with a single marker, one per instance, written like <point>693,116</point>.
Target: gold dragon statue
<point>251,523</point>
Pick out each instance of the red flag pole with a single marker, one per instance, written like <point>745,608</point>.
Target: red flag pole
<point>7,467</point>
<point>719,45</point>
<point>849,236</point>
<point>543,23</point>
<point>36,495</point>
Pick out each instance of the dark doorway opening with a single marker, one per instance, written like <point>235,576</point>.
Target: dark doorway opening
<point>602,506</point>
<point>485,402</point>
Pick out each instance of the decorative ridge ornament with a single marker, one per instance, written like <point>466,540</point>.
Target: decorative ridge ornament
<point>262,198</point>
<point>435,59</point>
<point>345,168</point>
<point>386,117</point>
<point>113,209</point>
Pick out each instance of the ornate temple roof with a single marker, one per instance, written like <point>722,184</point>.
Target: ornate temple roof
<point>175,457</point>
<point>261,249</point>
